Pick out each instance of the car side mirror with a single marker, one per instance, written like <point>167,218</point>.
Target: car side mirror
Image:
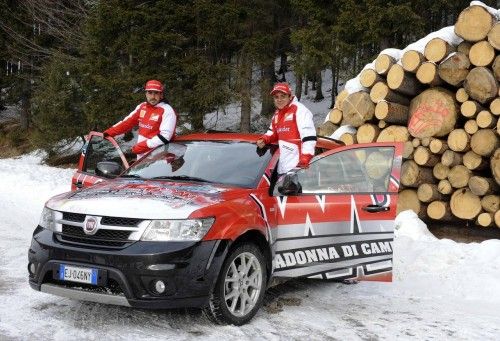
<point>108,169</point>
<point>289,184</point>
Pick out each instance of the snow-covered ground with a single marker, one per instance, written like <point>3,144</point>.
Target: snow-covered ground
<point>441,290</point>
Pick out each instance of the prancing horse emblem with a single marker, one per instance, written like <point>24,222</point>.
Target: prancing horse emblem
<point>90,226</point>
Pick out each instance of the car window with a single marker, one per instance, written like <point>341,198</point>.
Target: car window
<point>96,150</point>
<point>225,162</point>
<point>359,170</point>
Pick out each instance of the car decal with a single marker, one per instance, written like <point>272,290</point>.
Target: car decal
<point>264,216</point>
<point>310,249</point>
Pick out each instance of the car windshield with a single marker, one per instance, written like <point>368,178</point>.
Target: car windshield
<point>223,162</point>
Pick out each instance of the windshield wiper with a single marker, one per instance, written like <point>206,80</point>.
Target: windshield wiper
<point>135,176</point>
<point>180,177</point>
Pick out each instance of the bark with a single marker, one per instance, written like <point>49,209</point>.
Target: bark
<point>437,49</point>
<point>413,175</point>
<point>383,63</point>
<point>403,82</point>
<point>391,112</point>
<point>380,91</point>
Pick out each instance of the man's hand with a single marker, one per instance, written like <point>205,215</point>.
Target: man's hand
<point>261,143</point>
<point>104,134</point>
<point>304,160</point>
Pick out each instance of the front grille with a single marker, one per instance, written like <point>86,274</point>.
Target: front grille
<point>118,221</point>
<point>77,217</point>
<point>92,242</point>
<point>102,234</point>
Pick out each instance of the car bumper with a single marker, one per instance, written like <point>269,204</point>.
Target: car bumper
<point>127,276</point>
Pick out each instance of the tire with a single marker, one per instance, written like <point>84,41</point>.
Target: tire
<point>239,290</point>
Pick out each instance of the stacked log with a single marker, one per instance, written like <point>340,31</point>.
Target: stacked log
<point>443,102</point>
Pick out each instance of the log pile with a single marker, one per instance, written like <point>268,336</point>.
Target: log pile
<point>443,102</point>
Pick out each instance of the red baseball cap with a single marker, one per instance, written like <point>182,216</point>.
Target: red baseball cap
<point>281,87</point>
<point>154,85</point>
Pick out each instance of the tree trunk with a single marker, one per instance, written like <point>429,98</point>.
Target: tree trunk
<point>298,87</point>
<point>495,165</point>
<point>427,74</point>
<point>474,23</point>
<point>357,109</point>
<point>412,175</point>
<point>340,99</point>
<point>490,203</point>
<point>459,141</point>
<point>454,69</point>
<point>391,112</point>
<point>423,157</point>
<point>266,84</point>
<point>438,146</point>
<point>481,85</point>
<point>408,150</point>
<point>471,127</point>
<point>497,218</point>
<point>319,88</point>
<point>464,47</point>
<point>369,77</point>
<point>246,93</point>
<point>444,187</point>
<point>470,109</point>
<point>367,133</point>
<point>437,49</point>
<point>494,36</point>
<point>485,219</point>
<point>465,204</point>
<point>459,176</point>
<point>484,142</point>
<point>408,200</point>
<point>482,54</point>
<point>327,129</point>
<point>383,63</point>
<point>461,94</point>
<point>428,193</point>
<point>440,171</point>
<point>474,161</point>
<point>403,82</point>
<point>496,68</point>
<point>380,91</point>
<point>440,210</point>
<point>394,133</point>
<point>495,106</point>
<point>411,60</point>
<point>451,158</point>
<point>486,120</point>
<point>432,113</point>
<point>335,116</point>
<point>482,186</point>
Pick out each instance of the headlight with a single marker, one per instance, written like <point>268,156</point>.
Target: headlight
<point>47,220</point>
<point>177,230</point>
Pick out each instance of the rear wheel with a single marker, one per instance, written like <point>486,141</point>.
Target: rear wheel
<point>240,287</point>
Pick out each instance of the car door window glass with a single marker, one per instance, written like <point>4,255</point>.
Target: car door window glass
<point>359,170</point>
<point>98,149</point>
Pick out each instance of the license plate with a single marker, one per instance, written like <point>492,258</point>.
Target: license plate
<point>77,274</point>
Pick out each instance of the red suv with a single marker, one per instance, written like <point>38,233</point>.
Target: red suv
<point>205,222</point>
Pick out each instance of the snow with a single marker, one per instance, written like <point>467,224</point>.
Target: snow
<point>441,290</point>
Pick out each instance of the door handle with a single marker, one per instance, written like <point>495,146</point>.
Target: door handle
<point>375,208</point>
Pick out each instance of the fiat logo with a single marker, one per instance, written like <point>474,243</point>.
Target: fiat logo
<point>90,226</point>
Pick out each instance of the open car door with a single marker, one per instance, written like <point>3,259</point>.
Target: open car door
<point>97,149</point>
<point>336,218</point>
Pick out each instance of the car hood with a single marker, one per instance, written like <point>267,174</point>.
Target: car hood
<point>139,199</point>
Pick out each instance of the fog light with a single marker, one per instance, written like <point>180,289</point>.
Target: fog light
<point>31,268</point>
<point>160,287</point>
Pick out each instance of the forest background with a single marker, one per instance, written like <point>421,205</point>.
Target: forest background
<point>72,66</point>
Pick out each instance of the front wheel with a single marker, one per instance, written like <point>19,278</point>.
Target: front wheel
<point>240,287</point>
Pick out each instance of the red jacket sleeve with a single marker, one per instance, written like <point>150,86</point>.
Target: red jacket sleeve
<point>126,124</point>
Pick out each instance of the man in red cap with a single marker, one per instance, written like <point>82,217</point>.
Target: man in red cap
<point>292,127</point>
<point>155,118</point>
